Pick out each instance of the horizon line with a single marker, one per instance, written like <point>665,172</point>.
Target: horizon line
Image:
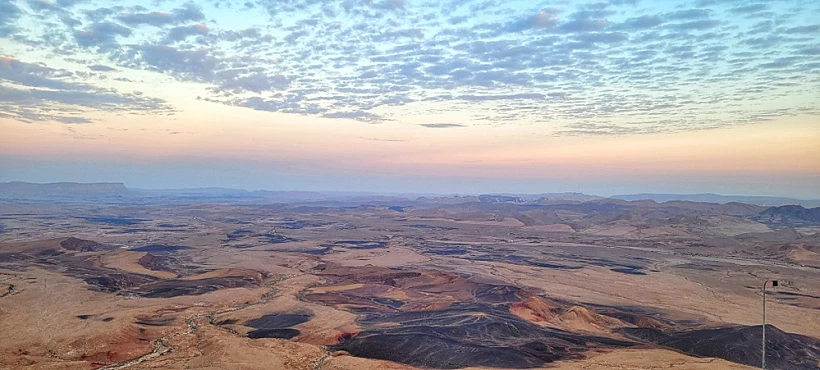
<point>507,193</point>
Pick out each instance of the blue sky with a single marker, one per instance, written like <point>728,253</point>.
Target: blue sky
<point>555,69</point>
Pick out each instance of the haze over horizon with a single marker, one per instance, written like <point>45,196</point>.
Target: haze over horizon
<point>461,96</point>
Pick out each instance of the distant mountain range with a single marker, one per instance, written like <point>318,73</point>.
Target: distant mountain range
<point>722,199</point>
<point>72,190</point>
<point>580,197</point>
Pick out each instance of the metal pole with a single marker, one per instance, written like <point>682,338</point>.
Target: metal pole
<point>763,362</point>
<point>774,284</point>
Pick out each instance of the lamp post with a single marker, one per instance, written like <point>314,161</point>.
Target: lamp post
<point>774,284</point>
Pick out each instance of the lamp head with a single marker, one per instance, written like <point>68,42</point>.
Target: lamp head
<point>774,283</point>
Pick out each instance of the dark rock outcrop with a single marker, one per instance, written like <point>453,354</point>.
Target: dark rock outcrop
<point>80,245</point>
<point>791,215</point>
<point>741,344</point>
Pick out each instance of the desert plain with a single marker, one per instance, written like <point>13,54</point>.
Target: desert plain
<point>371,282</point>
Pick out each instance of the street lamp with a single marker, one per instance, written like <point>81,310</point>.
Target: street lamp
<point>774,284</point>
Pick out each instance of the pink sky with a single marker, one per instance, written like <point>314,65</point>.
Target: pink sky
<point>761,156</point>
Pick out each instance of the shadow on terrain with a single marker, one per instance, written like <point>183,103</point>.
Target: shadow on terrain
<point>470,335</point>
<point>741,344</point>
<point>276,325</point>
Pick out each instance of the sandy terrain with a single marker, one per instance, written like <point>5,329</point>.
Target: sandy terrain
<point>259,286</point>
<point>129,261</point>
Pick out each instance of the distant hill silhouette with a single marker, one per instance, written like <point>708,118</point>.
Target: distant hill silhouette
<point>716,198</point>
<point>790,215</point>
<point>741,204</point>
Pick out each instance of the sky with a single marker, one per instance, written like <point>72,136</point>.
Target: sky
<point>451,96</point>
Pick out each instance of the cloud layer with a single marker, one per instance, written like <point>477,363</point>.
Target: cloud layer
<point>34,92</point>
<point>608,68</point>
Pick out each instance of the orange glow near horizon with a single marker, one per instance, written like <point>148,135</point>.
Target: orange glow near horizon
<point>775,147</point>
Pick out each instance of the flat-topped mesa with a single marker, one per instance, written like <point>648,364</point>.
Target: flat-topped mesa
<point>19,189</point>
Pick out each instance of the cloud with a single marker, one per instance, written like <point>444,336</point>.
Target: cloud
<point>9,12</point>
<point>780,63</point>
<point>358,115</point>
<point>101,68</point>
<point>102,35</point>
<point>40,105</point>
<point>40,93</point>
<point>383,140</point>
<point>640,23</point>
<point>386,5</point>
<point>289,104</point>
<point>498,62</point>
<point>749,8</point>
<point>34,75</point>
<point>153,19</point>
<point>249,33</point>
<point>442,125</point>
<point>544,19</point>
<point>688,14</point>
<point>180,33</point>
<point>196,65</point>
<point>188,13</point>
<point>600,129</point>
<point>68,3</point>
<point>389,4</point>
<point>253,82</point>
<point>40,5</point>
<point>583,25</point>
<point>520,96</point>
<point>812,29</point>
<point>809,51</point>
<point>603,37</point>
<point>699,25</point>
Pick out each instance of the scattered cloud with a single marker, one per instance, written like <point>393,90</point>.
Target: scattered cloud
<point>603,37</point>
<point>9,12</point>
<point>583,25</point>
<point>383,140</point>
<point>442,125</point>
<point>36,92</point>
<point>244,80</point>
<point>588,65</point>
<point>195,65</point>
<point>358,115</point>
<point>640,23</point>
<point>703,24</point>
<point>187,13</point>
<point>812,29</point>
<point>101,68</point>
<point>749,8</point>
<point>180,33</point>
<point>688,14</point>
<point>102,35</point>
<point>543,19</point>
